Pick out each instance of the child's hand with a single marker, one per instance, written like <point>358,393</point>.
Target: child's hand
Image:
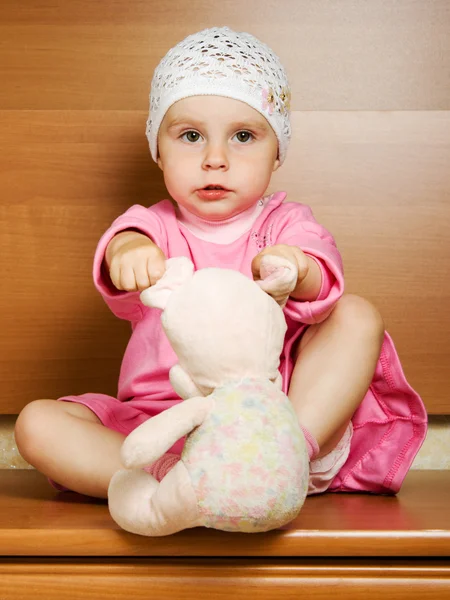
<point>280,271</point>
<point>135,262</point>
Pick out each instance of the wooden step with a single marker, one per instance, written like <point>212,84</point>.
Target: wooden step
<point>62,545</point>
<point>36,520</point>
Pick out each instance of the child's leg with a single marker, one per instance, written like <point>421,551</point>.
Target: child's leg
<point>335,363</point>
<point>67,442</point>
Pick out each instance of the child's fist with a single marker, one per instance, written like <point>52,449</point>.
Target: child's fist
<point>134,261</point>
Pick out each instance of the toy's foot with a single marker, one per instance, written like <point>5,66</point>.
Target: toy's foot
<point>129,496</point>
<point>139,504</point>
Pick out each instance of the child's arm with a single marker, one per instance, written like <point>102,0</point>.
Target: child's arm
<point>297,233</point>
<point>117,288</point>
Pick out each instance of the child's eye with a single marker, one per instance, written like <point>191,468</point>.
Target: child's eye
<point>244,137</point>
<point>191,136</point>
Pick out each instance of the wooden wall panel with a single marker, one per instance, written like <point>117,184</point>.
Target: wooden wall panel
<point>370,154</point>
<point>340,54</point>
<point>58,337</point>
<point>380,182</point>
<point>364,174</point>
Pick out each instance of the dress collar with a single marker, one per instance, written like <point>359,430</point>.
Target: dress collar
<point>225,231</point>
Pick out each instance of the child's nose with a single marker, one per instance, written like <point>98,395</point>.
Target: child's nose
<point>215,157</point>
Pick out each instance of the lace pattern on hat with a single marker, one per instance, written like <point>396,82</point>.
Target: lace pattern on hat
<point>222,62</point>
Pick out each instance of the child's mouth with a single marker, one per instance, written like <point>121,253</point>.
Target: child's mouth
<point>212,192</point>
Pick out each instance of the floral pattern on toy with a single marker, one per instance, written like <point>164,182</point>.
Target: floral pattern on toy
<point>248,461</point>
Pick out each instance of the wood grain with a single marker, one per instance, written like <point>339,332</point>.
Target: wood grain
<point>339,54</point>
<point>378,181</point>
<point>35,520</point>
<point>370,154</point>
<point>205,579</point>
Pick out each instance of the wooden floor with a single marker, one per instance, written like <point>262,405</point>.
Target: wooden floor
<point>56,545</point>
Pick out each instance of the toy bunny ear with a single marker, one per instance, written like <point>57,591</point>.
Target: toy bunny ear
<point>178,271</point>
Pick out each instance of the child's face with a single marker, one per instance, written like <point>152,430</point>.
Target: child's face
<point>214,141</point>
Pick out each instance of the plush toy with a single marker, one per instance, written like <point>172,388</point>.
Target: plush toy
<point>244,465</point>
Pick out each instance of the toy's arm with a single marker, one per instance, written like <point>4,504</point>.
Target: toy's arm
<point>154,437</point>
<point>182,383</point>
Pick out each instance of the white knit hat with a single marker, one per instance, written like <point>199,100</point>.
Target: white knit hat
<point>222,62</point>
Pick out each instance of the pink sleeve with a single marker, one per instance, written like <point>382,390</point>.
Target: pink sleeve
<point>302,230</point>
<point>126,305</point>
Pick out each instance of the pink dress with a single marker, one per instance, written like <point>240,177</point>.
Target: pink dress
<point>388,427</point>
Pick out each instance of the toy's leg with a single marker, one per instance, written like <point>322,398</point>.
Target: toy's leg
<point>334,367</point>
<point>139,504</point>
